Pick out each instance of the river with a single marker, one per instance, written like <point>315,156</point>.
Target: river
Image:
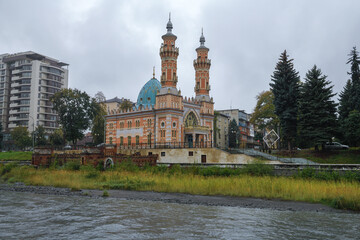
<point>40,216</point>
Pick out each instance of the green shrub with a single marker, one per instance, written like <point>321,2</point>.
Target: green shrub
<point>175,169</point>
<point>100,165</point>
<point>92,174</point>
<point>106,194</point>
<point>128,165</point>
<point>73,166</point>
<point>8,167</point>
<point>160,169</point>
<point>258,169</point>
<point>127,184</point>
<point>352,176</point>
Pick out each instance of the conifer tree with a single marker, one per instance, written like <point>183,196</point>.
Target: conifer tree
<point>350,96</point>
<point>285,87</point>
<point>354,60</point>
<point>233,134</point>
<point>345,101</point>
<point>351,128</point>
<point>317,112</point>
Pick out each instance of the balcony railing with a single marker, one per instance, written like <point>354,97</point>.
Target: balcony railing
<point>162,145</point>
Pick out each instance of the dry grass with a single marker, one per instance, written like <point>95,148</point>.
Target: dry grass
<point>340,194</point>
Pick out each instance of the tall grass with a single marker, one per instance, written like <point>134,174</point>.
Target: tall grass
<point>18,156</point>
<point>342,193</point>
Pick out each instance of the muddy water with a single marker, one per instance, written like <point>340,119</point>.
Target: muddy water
<point>38,216</point>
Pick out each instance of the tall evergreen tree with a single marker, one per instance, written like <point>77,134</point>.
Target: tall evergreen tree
<point>233,134</point>
<point>350,96</point>
<point>345,101</point>
<point>351,127</point>
<point>285,87</point>
<point>317,112</point>
<point>354,61</point>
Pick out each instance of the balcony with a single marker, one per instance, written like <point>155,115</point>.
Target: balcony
<point>15,84</point>
<point>12,105</point>
<point>14,91</point>
<point>14,98</point>
<point>11,119</point>
<point>16,71</point>
<point>14,78</point>
<point>12,125</point>
<point>13,111</point>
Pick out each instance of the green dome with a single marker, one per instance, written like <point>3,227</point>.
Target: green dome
<point>147,95</point>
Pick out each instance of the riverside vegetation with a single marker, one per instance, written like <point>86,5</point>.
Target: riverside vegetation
<point>16,156</point>
<point>254,180</point>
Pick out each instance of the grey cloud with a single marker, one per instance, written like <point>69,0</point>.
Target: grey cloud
<point>114,45</point>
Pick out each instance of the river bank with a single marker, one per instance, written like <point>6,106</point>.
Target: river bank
<point>180,198</point>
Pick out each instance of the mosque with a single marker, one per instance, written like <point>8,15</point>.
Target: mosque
<point>161,115</point>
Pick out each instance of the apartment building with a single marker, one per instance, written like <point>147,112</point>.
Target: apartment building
<point>247,132</point>
<point>113,105</point>
<point>221,134</point>
<point>27,81</point>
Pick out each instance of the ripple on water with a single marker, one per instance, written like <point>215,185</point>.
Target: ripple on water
<point>27,215</point>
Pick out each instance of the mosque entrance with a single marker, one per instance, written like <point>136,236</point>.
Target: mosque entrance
<point>190,140</point>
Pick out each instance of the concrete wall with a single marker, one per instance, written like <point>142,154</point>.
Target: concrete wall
<point>213,155</point>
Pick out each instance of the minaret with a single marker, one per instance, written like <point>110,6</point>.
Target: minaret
<point>202,67</point>
<point>169,54</point>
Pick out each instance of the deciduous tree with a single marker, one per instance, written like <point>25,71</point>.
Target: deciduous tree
<point>264,113</point>
<point>21,137</point>
<point>125,105</point>
<point>40,136</point>
<point>76,110</point>
<point>97,129</point>
<point>57,138</point>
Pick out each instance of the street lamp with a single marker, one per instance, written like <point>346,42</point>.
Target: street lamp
<point>33,135</point>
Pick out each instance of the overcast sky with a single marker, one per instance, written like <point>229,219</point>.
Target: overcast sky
<point>112,45</point>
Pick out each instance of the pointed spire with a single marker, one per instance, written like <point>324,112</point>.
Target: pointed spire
<point>202,38</point>
<point>202,41</point>
<point>169,25</point>
<point>154,72</point>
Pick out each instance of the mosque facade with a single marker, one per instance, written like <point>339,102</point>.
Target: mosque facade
<point>161,115</point>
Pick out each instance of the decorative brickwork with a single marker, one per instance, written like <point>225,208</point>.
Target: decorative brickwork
<point>173,119</point>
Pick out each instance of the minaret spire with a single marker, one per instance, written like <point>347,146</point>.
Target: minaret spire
<point>202,38</point>
<point>169,25</point>
<point>169,54</point>
<point>202,66</point>
<point>154,72</point>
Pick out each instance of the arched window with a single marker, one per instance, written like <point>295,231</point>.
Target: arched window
<point>191,120</point>
<point>121,141</point>
<point>129,140</point>
<point>137,139</point>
